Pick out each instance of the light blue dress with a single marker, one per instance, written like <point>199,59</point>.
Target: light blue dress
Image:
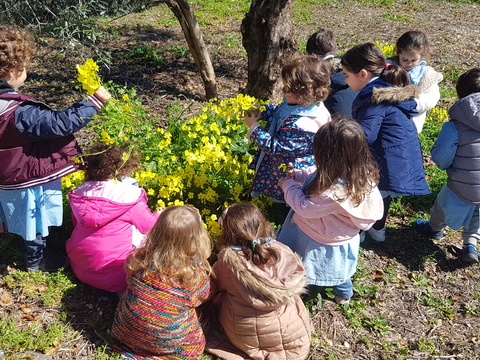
<point>326,265</point>
<point>31,211</point>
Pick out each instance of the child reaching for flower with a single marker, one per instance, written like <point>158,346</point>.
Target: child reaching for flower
<point>259,281</point>
<point>167,279</point>
<point>110,216</point>
<point>384,108</point>
<point>290,128</point>
<point>334,203</point>
<point>412,48</point>
<point>37,150</point>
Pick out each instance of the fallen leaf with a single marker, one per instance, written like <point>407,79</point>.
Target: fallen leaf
<point>6,298</point>
<point>25,308</point>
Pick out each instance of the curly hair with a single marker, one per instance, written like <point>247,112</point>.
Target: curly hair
<point>106,162</point>
<point>341,152</point>
<point>177,248</point>
<point>244,222</point>
<point>16,49</point>
<point>307,77</point>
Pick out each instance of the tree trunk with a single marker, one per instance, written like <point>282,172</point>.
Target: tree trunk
<point>191,30</point>
<point>268,38</point>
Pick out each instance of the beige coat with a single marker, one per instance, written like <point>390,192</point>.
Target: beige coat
<point>260,308</point>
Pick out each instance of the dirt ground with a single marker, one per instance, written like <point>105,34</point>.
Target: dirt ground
<point>415,299</point>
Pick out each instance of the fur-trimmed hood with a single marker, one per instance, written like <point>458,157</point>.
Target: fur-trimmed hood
<point>394,94</point>
<point>276,284</point>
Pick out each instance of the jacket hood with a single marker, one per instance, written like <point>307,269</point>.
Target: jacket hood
<point>467,111</point>
<point>277,283</point>
<point>335,64</point>
<point>362,214</point>
<point>95,212</point>
<point>5,87</point>
<point>382,92</point>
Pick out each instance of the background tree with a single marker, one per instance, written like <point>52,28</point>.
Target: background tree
<point>268,38</point>
<point>182,11</point>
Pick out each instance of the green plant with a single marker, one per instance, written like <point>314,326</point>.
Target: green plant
<point>397,17</point>
<point>428,346</point>
<point>177,50</point>
<point>438,304</point>
<point>147,53</point>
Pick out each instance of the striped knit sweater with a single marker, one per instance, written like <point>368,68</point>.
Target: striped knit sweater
<point>155,320</point>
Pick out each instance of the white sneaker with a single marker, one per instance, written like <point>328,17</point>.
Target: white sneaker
<point>341,301</point>
<point>377,235</point>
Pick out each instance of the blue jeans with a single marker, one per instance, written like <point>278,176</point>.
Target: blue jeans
<point>345,290</point>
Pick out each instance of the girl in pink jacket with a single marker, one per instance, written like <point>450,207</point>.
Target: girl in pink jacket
<point>110,218</point>
<point>338,200</point>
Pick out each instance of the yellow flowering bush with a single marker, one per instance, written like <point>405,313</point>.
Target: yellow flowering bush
<point>88,76</point>
<point>387,48</point>
<point>202,160</point>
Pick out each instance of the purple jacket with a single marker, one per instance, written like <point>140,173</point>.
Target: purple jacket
<point>36,143</point>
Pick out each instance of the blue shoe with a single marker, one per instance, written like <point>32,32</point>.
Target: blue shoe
<point>423,227</point>
<point>470,254</point>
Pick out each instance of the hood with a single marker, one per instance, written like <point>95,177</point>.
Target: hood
<point>467,111</point>
<point>361,215</point>
<point>95,212</point>
<point>382,92</point>
<point>277,283</point>
<point>335,64</point>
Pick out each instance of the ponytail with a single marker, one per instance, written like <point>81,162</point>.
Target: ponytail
<point>395,75</point>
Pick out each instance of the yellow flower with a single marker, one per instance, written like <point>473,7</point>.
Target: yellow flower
<point>88,76</point>
<point>125,97</point>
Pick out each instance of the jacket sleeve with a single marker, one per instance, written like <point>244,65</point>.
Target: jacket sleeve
<point>36,122</point>
<point>308,207</point>
<point>142,217</point>
<point>371,118</point>
<point>429,99</point>
<point>289,137</point>
<point>445,147</point>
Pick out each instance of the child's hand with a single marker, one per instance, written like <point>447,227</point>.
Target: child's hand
<point>102,94</point>
<point>250,119</point>
<point>281,181</point>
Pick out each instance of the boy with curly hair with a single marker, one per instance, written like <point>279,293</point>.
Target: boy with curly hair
<point>37,149</point>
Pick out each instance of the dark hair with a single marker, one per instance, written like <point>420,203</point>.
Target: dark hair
<point>468,83</point>
<point>307,77</point>
<point>341,152</point>
<point>366,56</point>
<point>321,43</point>
<point>413,41</point>
<point>107,162</point>
<point>244,222</point>
<point>396,75</point>
<point>16,49</point>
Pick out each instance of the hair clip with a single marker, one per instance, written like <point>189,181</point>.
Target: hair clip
<point>255,243</point>
<point>387,66</point>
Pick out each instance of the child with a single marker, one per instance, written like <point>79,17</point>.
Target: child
<point>259,282</point>
<point>291,125</point>
<point>411,48</point>
<point>384,111</point>
<point>167,279</point>
<point>109,217</point>
<point>339,102</point>
<point>456,150</point>
<point>337,201</point>
<point>37,150</point>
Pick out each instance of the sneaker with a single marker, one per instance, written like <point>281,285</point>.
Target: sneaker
<point>51,263</point>
<point>423,227</point>
<point>377,235</point>
<point>341,301</point>
<point>470,254</point>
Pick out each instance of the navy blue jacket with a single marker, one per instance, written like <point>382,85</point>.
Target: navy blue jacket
<point>340,99</point>
<point>385,113</point>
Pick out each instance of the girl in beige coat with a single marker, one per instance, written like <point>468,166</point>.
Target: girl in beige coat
<point>259,284</point>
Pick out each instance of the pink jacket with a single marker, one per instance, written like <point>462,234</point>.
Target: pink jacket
<point>327,220</point>
<point>106,217</point>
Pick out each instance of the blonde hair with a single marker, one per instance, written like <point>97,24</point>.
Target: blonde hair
<point>16,49</point>
<point>177,248</point>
